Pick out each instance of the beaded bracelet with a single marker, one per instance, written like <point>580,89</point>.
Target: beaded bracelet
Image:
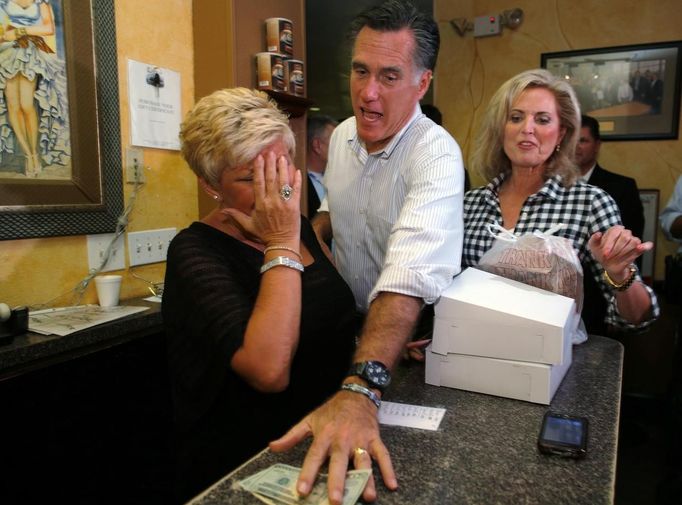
<point>621,286</point>
<point>283,248</point>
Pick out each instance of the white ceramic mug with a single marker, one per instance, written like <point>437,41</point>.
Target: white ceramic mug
<point>108,289</point>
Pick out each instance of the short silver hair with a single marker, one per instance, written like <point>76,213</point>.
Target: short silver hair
<point>228,128</point>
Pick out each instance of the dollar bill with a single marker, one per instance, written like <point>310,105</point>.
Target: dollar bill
<point>279,484</point>
<point>245,484</point>
<point>265,499</point>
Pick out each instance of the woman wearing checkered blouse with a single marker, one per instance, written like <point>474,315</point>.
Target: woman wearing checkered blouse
<point>525,151</point>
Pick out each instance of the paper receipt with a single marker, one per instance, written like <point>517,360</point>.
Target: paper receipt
<point>411,416</point>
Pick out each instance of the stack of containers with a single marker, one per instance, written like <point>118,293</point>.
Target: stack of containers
<point>501,337</point>
<point>276,70</point>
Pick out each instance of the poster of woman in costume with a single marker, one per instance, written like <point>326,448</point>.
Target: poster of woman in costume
<point>34,112</point>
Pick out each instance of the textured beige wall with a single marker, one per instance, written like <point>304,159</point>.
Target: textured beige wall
<point>35,271</point>
<point>471,69</point>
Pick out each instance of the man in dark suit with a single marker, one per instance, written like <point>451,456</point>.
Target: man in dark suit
<point>624,191</point>
<point>640,87</point>
<point>655,94</point>
<point>320,130</point>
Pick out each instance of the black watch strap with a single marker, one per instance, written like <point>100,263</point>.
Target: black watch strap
<point>374,373</point>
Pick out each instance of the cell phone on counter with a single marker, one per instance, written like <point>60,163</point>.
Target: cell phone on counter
<point>563,435</point>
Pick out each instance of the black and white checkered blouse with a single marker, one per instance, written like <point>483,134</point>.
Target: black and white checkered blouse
<point>582,208</point>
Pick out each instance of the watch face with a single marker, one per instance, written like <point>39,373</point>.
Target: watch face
<point>374,372</point>
<point>377,374</point>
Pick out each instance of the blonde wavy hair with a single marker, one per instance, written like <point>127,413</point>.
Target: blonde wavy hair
<point>228,128</point>
<point>489,158</point>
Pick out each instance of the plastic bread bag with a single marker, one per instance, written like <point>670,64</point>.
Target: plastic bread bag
<point>539,259</point>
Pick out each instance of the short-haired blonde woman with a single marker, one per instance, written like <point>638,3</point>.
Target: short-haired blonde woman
<point>260,326</point>
<point>525,151</point>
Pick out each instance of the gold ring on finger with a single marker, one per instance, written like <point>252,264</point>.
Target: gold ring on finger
<point>359,451</point>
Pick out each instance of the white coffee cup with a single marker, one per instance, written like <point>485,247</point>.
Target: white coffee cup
<point>108,289</point>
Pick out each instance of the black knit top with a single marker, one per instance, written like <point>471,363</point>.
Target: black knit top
<point>212,281</point>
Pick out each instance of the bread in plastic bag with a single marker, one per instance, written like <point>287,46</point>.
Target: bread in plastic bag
<point>539,259</point>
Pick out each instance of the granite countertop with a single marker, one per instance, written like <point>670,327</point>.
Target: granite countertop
<point>485,449</point>
<point>33,351</point>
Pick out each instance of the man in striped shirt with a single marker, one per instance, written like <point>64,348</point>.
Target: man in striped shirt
<point>394,202</point>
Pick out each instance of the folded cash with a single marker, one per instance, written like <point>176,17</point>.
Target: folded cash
<point>277,485</point>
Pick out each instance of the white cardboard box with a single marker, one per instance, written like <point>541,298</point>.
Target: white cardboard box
<point>484,314</point>
<point>521,380</point>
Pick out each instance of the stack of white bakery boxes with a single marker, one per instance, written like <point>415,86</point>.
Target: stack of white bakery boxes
<point>501,337</point>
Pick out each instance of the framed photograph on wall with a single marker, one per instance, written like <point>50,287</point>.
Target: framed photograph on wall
<point>633,91</point>
<point>60,154</point>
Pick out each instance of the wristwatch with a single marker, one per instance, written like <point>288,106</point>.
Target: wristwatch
<point>375,373</point>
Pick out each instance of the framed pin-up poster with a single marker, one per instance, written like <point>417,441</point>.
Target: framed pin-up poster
<point>633,91</point>
<point>60,155</point>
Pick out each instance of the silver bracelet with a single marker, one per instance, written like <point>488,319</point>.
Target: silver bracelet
<point>281,261</point>
<point>357,388</point>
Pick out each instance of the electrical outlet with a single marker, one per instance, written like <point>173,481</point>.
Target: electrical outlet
<point>149,246</point>
<point>97,247</point>
<point>134,165</point>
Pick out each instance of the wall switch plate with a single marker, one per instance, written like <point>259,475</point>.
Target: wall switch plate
<point>149,246</point>
<point>97,247</point>
<point>134,165</point>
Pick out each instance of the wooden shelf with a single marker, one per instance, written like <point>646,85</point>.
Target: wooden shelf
<point>218,63</point>
<point>294,105</point>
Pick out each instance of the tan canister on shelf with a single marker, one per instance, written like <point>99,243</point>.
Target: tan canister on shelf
<point>270,71</point>
<point>295,77</point>
<point>279,35</point>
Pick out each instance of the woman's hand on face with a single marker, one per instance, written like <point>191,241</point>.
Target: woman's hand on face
<point>274,219</point>
<point>616,249</point>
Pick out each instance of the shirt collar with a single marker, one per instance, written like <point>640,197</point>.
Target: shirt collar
<point>314,175</point>
<point>549,190</point>
<point>588,174</point>
<point>358,145</point>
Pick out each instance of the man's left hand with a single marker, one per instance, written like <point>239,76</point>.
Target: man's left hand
<point>345,427</point>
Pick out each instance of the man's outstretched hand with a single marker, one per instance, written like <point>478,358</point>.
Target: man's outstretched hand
<point>344,428</point>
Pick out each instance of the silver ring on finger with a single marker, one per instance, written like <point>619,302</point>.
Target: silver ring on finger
<point>285,192</point>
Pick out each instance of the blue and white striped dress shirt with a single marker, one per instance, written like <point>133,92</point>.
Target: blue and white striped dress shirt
<point>396,214</point>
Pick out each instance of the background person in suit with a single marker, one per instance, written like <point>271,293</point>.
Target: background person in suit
<point>640,86</point>
<point>671,216</point>
<point>624,191</point>
<point>320,130</point>
<point>656,94</point>
<point>670,487</point>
